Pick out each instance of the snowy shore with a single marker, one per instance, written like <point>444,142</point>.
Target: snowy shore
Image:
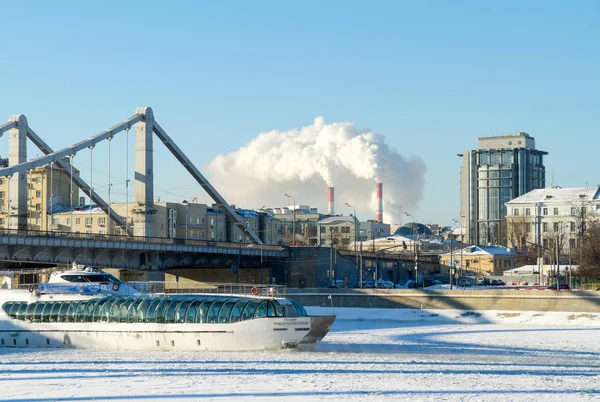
<point>370,355</point>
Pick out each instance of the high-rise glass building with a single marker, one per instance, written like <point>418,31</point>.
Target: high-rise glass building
<point>500,169</point>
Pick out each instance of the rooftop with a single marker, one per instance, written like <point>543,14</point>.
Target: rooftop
<point>558,194</point>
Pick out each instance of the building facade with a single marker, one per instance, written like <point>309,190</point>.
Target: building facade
<point>184,220</point>
<point>546,216</point>
<point>500,169</point>
<point>371,229</point>
<point>45,187</point>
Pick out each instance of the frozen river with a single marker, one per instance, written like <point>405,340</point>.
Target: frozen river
<point>370,355</point>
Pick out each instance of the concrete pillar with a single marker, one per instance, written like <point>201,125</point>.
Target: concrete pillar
<point>17,153</point>
<point>143,209</point>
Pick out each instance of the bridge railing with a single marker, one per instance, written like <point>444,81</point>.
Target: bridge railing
<point>141,239</point>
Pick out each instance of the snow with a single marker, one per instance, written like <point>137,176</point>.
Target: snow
<point>369,355</point>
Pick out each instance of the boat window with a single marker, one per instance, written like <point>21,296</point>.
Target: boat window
<point>28,315</point>
<point>9,306</point>
<point>301,311</point>
<point>140,312</point>
<point>124,307</point>
<point>151,310</point>
<point>74,278</point>
<point>213,311</point>
<point>62,313</point>
<point>99,311</point>
<point>248,312</point>
<point>225,312</point>
<point>202,311</point>
<point>55,311</point>
<point>45,317</point>
<point>80,311</point>
<point>118,311</point>
<point>161,310</point>
<point>261,310</point>
<point>190,314</point>
<point>131,315</point>
<point>271,310</point>
<point>71,312</point>
<point>170,314</point>
<point>88,312</point>
<point>21,312</point>
<point>236,311</point>
<point>181,309</point>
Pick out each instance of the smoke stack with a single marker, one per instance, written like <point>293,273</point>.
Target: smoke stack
<point>330,199</point>
<point>379,192</point>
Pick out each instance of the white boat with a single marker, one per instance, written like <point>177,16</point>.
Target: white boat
<point>98,317</point>
<point>81,279</point>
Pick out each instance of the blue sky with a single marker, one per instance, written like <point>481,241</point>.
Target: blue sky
<point>432,76</point>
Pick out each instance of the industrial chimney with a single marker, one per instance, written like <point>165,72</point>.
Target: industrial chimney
<point>330,199</point>
<point>379,193</point>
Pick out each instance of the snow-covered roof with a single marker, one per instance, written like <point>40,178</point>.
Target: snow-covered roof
<point>558,194</point>
<point>336,220</point>
<point>481,250</point>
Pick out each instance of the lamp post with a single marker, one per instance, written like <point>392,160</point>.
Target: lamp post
<point>415,246</point>
<point>355,236</point>
<point>293,219</point>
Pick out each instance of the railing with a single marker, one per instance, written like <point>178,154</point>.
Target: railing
<point>140,239</point>
<point>161,287</point>
<point>216,288</point>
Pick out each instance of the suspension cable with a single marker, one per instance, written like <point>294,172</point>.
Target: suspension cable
<point>109,186</point>
<point>127,181</point>
<point>91,185</point>
<point>72,204</point>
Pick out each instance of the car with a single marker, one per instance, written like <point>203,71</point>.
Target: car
<point>563,286</point>
<point>497,282</point>
<point>463,282</point>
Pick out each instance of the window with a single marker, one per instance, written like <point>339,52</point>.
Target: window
<point>571,243</point>
<point>555,226</point>
<point>54,221</point>
<point>2,194</point>
<point>212,221</point>
<point>38,207</point>
<point>555,211</point>
<point>38,180</point>
<point>1,182</point>
<point>68,221</point>
<point>88,221</point>
<point>572,226</point>
<point>78,221</point>
<point>516,211</point>
<point>2,221</point>
<point>545,227</point>
<point>38,193</point>
<point>528,228</point>
<point>38,221</point>
<point>101,221</point>
<point>545,211</point>
<point>527,211</point>
<point>573,211</point>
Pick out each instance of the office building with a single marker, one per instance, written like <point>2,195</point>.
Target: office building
<point>499,170</point>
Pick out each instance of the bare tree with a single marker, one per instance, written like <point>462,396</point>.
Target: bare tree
<point>590,252</point>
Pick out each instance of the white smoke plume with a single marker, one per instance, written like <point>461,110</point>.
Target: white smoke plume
<point>304,162</point>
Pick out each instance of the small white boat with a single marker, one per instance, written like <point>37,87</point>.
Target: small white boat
<point>85,309</point>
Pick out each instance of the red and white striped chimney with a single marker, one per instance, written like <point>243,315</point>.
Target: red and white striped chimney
<point>379,193</point>
<point>330,200</point>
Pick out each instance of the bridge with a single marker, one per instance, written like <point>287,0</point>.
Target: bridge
<point>139,248</point>
<point>131,252</point>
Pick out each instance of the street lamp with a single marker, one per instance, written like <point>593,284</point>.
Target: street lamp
<point>415,246</point>
<point>355,236</point>
<point>293,219</point>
